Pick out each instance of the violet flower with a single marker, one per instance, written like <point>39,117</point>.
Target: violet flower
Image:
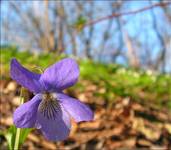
<point>50,110</point>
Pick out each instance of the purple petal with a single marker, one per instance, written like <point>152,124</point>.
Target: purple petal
<point>54,129</point>
<point>25,115</point>
<point>61,75</point>
<point>78,110</point>
<point>24,77</point>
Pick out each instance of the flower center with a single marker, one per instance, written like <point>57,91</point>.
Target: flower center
<point>49,105</point>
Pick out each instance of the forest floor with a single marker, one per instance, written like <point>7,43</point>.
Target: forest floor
<point>123,124</point>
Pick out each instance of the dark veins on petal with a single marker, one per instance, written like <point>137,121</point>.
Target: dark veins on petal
<point>49,106</point>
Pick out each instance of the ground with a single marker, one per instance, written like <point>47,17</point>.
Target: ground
<point>123,124</point>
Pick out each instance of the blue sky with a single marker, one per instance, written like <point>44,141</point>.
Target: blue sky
<point>139,23</point>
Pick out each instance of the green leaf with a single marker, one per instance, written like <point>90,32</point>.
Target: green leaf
<point>23,135</point>
<point>80,22</point>
<point>11,134</point>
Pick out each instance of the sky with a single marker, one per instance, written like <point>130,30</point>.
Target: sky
<point>138,23</point>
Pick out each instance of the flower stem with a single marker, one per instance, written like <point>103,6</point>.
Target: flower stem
<point>17,137</point>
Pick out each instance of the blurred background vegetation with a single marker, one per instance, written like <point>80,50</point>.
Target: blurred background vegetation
<point>139,39</point>
<point>127,53</point>
<point>116,80</point>
<point>123,47</point>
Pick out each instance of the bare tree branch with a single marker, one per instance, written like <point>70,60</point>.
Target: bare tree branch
<point>161,58</point>
<point>115,15</point>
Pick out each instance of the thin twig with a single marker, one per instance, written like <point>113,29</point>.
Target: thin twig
<point>125,13</point>
<point>121,14</point>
